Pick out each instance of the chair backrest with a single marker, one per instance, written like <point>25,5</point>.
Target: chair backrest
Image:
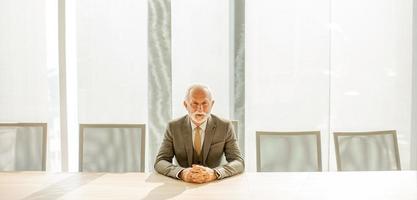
<point>112,148</point>
<point>288,151</point>
<point>236,128</point>
<point>367,151</point>
<point>23,146</point>
<point>239,136</point>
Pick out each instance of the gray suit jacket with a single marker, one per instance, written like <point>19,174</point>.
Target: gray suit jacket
<point>219,138</point>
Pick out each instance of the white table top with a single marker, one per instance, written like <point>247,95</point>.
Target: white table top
<point>393,185</point>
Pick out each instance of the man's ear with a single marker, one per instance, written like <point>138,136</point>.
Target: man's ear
<point>185,104</point>
<point>212,103</point>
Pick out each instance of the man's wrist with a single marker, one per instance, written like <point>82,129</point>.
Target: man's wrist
<point>179,174</point>
<point>216,174</point>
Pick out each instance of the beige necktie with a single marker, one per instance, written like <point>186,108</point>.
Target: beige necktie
<point>197,140</point>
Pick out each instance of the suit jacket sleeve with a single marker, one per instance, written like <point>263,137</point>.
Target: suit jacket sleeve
<point>163,163</point>
<point>235,161</point>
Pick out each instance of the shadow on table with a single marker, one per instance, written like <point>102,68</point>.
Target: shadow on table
<point>170,188</point>
<point>60,188</point>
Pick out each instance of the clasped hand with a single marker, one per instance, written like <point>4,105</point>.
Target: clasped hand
<point>198,174</point>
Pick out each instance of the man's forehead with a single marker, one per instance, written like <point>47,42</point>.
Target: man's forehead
<point>199,92</point>
<point>198,98</point>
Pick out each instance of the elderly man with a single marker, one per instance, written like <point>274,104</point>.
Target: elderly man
<point>198,141</point>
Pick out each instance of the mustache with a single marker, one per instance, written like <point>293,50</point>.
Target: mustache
<point>196,114</point>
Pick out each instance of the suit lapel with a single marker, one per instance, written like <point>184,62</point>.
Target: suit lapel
<point>210,129</point>
<point>188,140</point>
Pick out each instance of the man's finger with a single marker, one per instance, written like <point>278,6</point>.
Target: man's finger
<point>196,171</point>
<point>198,167</point>
<point>197,179</point>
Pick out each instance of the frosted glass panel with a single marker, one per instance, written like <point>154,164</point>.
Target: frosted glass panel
<point>112,61</point>
<point>200,51</point>
<point>371,67</point>
<point>287,64</point>
<point>21,148</point>
<point>367,152</point>
<point>287,153</point>
<point>23,69</point>
<point>113,149</point>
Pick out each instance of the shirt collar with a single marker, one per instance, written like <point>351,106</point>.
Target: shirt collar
<point>202,126</point>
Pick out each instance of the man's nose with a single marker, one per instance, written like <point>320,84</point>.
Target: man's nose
<point>200,107</point>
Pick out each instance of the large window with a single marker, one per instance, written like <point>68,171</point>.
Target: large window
<point>338,66</point>
<point>304,66</point>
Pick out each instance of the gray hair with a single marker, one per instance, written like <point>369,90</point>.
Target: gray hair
<point>197,85</point>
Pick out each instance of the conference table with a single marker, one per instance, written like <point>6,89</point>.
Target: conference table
<point>378,185</point>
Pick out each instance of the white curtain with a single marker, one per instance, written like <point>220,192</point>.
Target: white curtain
<point>23,71</point>
<point>310,65</point>
<point>29,68</point>
<point>200,51</point>
<point>328,66</point>
<point>111,55</point>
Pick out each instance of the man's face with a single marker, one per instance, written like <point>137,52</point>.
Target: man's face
<point>198,105</point>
